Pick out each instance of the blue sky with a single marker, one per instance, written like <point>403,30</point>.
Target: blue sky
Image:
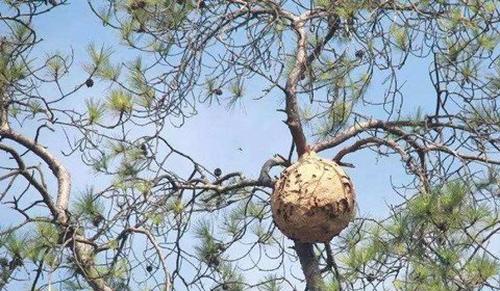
<point>255,126</point>
<point>214,136</point>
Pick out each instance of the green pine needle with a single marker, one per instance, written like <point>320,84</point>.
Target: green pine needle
<point>120,101</point>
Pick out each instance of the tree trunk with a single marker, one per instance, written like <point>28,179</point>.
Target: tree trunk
<point>310,266</point>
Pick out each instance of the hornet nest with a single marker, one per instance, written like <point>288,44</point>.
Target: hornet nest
<point>313,200</point>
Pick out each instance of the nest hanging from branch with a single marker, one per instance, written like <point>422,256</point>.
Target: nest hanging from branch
<point>313,200</point>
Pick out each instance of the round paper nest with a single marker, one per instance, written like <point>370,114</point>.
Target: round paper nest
<point>313,200</point>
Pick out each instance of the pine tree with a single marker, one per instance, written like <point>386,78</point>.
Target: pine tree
<point>148,223</point>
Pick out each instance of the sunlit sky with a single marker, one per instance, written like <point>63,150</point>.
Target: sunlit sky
<point>214,136</point>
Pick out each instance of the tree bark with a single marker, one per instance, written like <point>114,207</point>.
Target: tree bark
<point>310,266</point>
<point>4,111</point>
<point>292,107</point>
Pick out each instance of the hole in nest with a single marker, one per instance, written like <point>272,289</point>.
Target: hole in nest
<point>344,205</point>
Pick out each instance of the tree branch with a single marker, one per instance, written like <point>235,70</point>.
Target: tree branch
<point>310,266</point>
<point>83,252</point>
<point>292,107</point>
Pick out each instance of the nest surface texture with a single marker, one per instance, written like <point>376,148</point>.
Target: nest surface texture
<point>313,200</point>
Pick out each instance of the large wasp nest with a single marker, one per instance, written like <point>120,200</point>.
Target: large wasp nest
<point>313,200</point>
